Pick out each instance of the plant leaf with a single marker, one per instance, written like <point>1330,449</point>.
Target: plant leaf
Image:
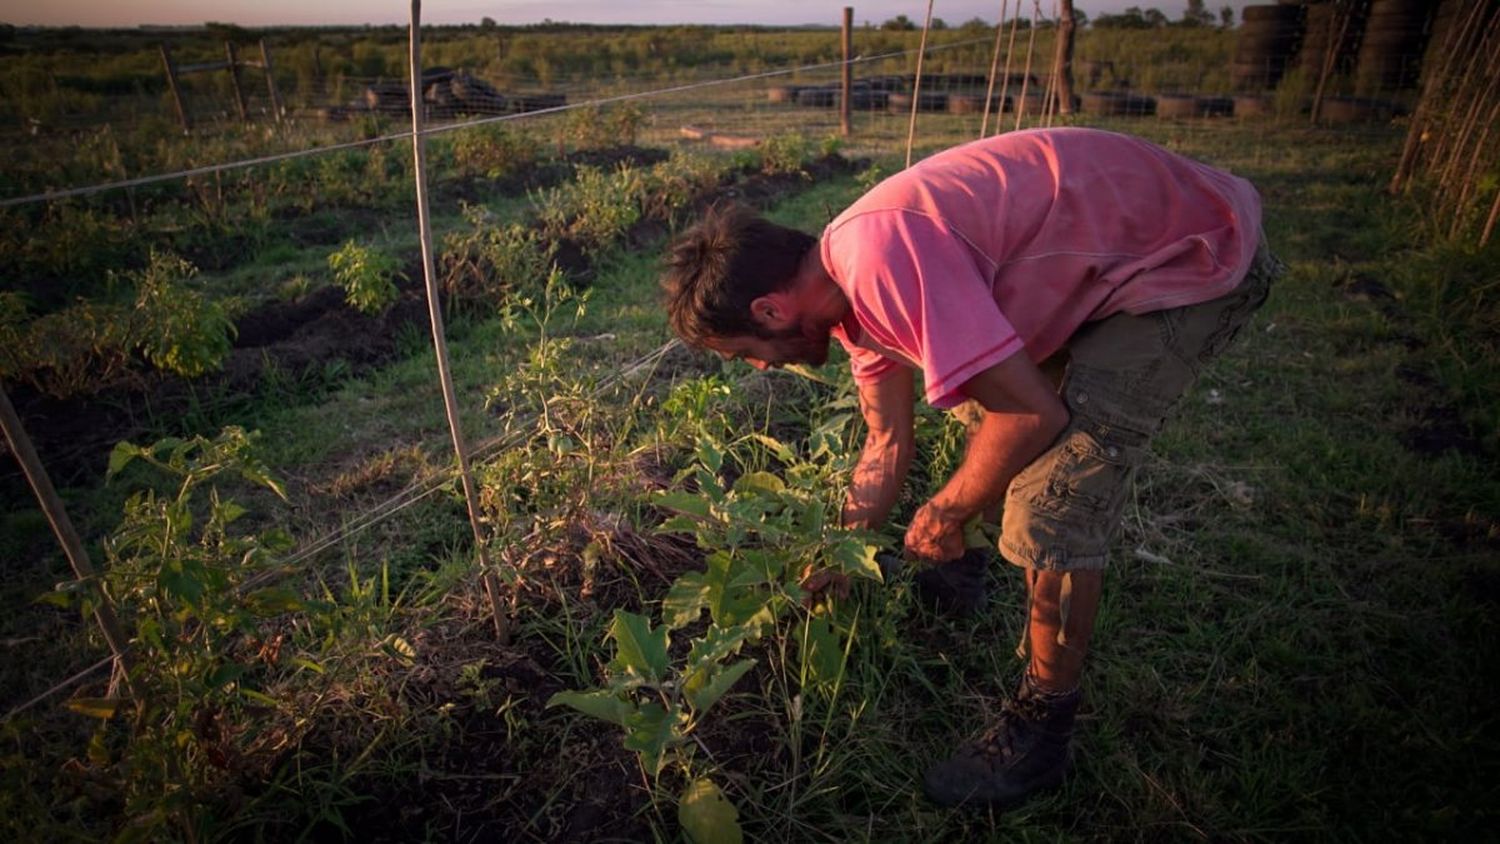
<point>601,703</point>
<point>685,502</point>
<point>820,652</point>
<point>637,647</point>
<point>705,697</point>
<point>685,601</point>
<point>225,674</point>
<point>273,600</point>
<point>707,816</point>
<point>120,457</point>
<point>94,707</point>
<point>761,482</point>
<point>710,455</point>
<point>857,558</point>
<point>652,729</point>
<point>783,452</point>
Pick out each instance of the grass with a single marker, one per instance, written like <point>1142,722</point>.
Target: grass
<point>1296,638</point>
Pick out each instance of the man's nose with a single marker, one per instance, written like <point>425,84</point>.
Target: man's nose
<point>758,363</point>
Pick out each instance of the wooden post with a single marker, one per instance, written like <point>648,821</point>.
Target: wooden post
<point>1330,58</point>
<point>234,78</point>
<point>989,92</point>
<point>435,313</point>
<point>67,536</point>
<point>1010,48</point>
<point>265,63</point>
<point>848,72</point>
<point>916,87</point>
<point>182,112</point>
<point>1036,10</point>
<point>1066,26</point>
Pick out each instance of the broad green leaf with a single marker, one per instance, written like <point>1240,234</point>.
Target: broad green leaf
<point>821,656</point>
<point>57,598</point>
<point>685,601</point>
<point>273,600</point>
<point>225,674</point>
<point>257,475</point>
<point>759,482</point>
<point>678,524</point>
<point>685,502</point>
<point>601,704</point>
<point>716,644</point>
<point>717,684</point>
<point>638,647</point>
<point>710,455</point>
<point>650,731</point>
<point>707,816</point>
<point>179,584</point>
<point>229,511</point>
<point>94,707</point>
<point>120,457</point>
<point>857,558</point>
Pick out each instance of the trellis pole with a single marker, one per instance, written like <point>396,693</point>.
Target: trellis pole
<point>1010,49</point>
<point>439,340</point>
<point>1036,11</point>
<point>67,536</point>
<point>916,87</point>
<point>846,73</point>
<point>989,92</point>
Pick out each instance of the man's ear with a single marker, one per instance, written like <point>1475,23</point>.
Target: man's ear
<point>772,311</point>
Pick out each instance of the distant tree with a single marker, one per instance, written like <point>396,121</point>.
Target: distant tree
<point>487,23</point>
<point>226,32</point>
<point>1197,14</point>
<point>939,23</point>
<point>1226,17</point>
<point>1155,18</point>
<point>974,26</point>
<point>900,23</point>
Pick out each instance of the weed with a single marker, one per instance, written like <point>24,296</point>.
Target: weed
<point>178,329</point>
<point>367,275</point>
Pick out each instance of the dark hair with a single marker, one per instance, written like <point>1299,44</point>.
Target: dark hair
<point>718,267</point>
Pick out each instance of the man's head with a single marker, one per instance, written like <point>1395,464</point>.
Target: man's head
<point>748,288</point>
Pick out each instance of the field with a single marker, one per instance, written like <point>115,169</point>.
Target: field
<point>230,378</point>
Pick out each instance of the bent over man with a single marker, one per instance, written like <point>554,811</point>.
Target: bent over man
<point>1070,283</point>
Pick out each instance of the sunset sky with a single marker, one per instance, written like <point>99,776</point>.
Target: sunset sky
<point>331,12</point>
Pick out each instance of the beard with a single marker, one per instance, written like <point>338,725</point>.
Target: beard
<point>806,343</point>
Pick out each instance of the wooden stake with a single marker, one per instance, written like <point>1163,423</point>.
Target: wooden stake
<point>989,92</point>
<point>847,74</point>
<point>435,313</point>
<point>1330,58</point>
<point>234,79</point>
<point>265,63</point>
<point>1067,26</point>
<point>67,535</point>
<point>1489,225</point>
<point>182,112</point>
<point>916,88</point>
<point>1036,7</point>
<point>1010,49</point>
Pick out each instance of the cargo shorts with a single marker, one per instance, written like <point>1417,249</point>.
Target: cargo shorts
<point>1122,377</point>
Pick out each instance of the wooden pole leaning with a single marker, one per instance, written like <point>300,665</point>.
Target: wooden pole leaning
<point>989,91</point>
<point>439,341</point>
<point>171,69</point>
<point>916,86</point>
<point>270,70</point>
<point>846,75</point>
<point>1010,48</point>
<point>67,536</point>
<point>233,60</point>
<point>1036,12</point>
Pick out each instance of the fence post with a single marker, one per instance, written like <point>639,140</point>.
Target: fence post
<point>67,535</point>
<point>434,311</point>
<point>234,78</point>
<point>847,73</point>
<point>265,63</point>
<point>182,112</point>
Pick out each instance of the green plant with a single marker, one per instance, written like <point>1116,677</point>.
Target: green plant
<point>785,153</point>
<point>367,275</point>
<point>495,152</point>
<point>178,329</point>
<point>488,261</point>
<point>596,209</point>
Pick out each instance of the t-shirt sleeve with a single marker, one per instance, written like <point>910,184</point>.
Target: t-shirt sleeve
<point>867,366</point>
<point>918,288</point>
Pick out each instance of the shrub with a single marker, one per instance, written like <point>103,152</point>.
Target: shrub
<point>494,152</point>
<point>367,275</point>
<point>177,329</point>
<point>488,262</point>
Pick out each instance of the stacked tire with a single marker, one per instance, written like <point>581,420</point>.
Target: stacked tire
<point>1390,49</point>
<point>1323,26</point>
<point>1267,42</point>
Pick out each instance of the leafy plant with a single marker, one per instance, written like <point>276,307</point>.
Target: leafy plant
<point>367,275</point>
<point>596,209</point>
<point>788,152</point>
<point>178,329</point>
<point>488,262</point>
<point>494,152</point>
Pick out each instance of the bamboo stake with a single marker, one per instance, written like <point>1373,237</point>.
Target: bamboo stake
<point>989,92</point>
<point>1489,225</point>
<point>1036,7</point>
<point>1432,85</point>
<point>1476,103</point>
<point>67,536</point>
<point>1330,58</point>
<point>916,88</point>
<point>435,313</point>
<point>1051,87</point>
<point>1010,49</point>
<point>1466,186</point>
<point>1459,91</point>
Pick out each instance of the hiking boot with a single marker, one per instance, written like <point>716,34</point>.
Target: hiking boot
<point>1024,752</point>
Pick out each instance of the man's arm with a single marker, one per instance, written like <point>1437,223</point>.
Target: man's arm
<point>1023,417</point>
<point>887,408</point>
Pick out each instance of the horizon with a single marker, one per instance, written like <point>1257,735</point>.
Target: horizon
<point>133,14</point>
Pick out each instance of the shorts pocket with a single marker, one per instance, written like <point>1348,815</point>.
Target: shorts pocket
<point>1088,475</point>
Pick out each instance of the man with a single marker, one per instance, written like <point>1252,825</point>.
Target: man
<point>1113,266</point>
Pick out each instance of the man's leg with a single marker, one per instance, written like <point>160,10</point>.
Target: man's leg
<point>1063,607</point>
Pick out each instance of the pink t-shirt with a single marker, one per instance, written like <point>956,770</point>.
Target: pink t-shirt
<point>1013,242</point>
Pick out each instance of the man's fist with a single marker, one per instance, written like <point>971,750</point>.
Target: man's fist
<point>935,535</point>
<point>823,584</point>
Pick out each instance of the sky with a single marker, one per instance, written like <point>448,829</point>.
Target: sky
<point>343,12</point>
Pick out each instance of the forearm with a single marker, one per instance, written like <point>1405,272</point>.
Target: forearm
<point>876,484</point>
<point>1001,447</point>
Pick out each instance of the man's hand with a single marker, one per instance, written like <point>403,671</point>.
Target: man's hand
<point>935,535</point>
<point>823,584</point>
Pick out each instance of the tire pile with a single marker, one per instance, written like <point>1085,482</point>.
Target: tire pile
<point>446,93</point>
